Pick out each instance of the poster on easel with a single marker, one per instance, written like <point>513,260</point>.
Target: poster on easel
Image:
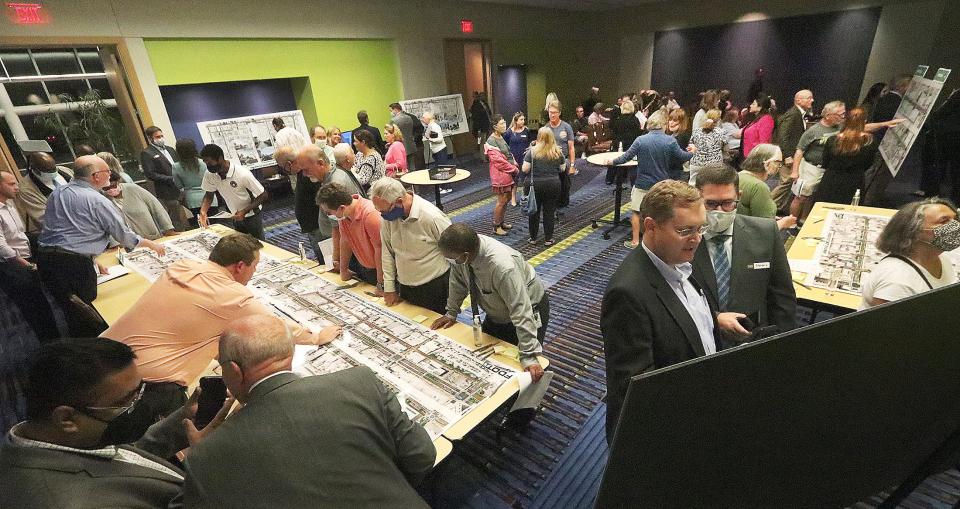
<point>251,140</point>
<point>447,110</point>
<point>916,105</point>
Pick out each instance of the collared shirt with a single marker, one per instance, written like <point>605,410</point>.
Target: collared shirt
<point>340,176</point>
<point>175,326</point>
<point>678,277</point>
<point>13,241</point>
<point>268,377</point>
<point>727,243</point>
<point>239,188</point>
<point>509,288</point>
<point>110,452</point>
<point>411,243</point>
<point>362,231</point>
<point>80,219</point>
<point>163,151</point>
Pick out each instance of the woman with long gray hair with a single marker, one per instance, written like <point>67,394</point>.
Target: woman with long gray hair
<point>915,240</point>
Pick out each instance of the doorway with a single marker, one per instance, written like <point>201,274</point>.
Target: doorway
<point>469,71</point>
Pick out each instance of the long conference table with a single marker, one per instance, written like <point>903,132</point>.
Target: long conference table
<point>115,297</point>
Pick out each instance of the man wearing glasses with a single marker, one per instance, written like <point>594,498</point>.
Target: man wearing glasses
<point>59,456</point>
<point>654,312</point>
<point>78,225</point>
<point>741,261</point>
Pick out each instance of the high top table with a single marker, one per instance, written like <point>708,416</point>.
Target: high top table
<point>422,178</point>
<point>601,160</point>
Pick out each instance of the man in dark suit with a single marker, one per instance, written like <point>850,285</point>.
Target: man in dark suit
<point>335,440</point>
<point>364,120</point>
<point>58,456</point>
<point>741,261</point>
<point>790,127</point>
<point>157,162</point>
<point>654,313</point>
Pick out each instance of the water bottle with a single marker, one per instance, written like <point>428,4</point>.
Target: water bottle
<point>856,198</point>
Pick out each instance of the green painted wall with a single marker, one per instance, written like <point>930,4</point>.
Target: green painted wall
<point>333,79</point>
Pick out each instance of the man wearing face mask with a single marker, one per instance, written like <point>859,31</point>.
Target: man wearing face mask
<point>242,192</point>
<point>78,225</point>
<point>356,240</point>
<point>503,284</point>
<point>43,176</point>
<point>414,269</point>
<point>916,241</point>
<point>313,164</point>
<point>58,457</point>
<point>741,261</point>
<point>157,163</point>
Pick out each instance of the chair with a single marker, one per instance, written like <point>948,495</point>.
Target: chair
<point>599,138</point>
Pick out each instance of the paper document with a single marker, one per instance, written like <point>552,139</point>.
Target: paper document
<point>805,266</point>
<point>223,214</point>
<point>326,249</point>
<point>300,353</point>
<point>531,394</point>
<point>112,273</point>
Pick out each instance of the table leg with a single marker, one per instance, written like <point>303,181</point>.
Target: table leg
<point>436,191</point>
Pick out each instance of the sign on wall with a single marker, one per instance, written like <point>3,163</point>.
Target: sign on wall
<point>251,140</point>
<point>447,110</point>
<point>914,108</point>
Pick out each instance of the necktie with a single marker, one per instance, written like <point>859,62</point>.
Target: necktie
<point>721,267</point>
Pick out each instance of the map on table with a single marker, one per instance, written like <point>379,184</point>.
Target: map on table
<point>847,250</point>
<point>436,379</point>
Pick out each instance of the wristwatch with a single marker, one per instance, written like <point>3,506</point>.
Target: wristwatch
<point>380,286</point>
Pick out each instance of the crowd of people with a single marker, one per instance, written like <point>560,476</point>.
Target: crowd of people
<point>707,270</point>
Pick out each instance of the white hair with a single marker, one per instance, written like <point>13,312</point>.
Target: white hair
<point>387,188</point>
<point>341,151</point>
<point>251,340</point>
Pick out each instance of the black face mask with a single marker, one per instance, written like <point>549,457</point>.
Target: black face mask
<point>213,168</point>
<point>118,432</point>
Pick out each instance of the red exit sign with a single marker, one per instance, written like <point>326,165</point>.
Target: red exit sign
<point>466,26</point>
<point>27,14</point>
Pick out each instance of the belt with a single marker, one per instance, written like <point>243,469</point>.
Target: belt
<point>56,249</point>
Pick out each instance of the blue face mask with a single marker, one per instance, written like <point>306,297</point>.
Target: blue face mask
<point>393,214</point>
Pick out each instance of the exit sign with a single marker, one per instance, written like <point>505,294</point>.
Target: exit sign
<point>26,14</point>
<point>466,26</point>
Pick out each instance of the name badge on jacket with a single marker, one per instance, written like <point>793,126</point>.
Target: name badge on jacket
<point>759,265</point>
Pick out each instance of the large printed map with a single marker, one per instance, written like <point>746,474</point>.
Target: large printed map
<point>436,379</point>
<point>847,251</point>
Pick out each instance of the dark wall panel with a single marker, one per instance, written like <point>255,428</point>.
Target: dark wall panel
<point>511,90</point>
<point>826,53</point>
<point>189,104</point>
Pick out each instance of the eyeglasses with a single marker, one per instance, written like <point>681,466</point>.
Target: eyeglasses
<point>120,410</point>
<point>99,172</point>
<point>779,163</point>
<point>726,205</point>
<point>691,230</point>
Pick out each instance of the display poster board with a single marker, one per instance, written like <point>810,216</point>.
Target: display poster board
<point>916,105</point>
<point>251,140</point>
<point>447,110</point>
<point>824,416</point>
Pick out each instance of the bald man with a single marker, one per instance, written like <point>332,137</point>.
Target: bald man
<point>43,176</point>
<point>78,224</point>
<point>364,452</point>
<point>790,126</point>
<point>304,193</point>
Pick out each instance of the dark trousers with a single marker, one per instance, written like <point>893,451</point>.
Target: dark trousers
<point>365,274</point>
<point>159,400</point>
<point>22,286</point>
<point>548,197</point>
<point>507,332</point>
<point>252,225</point>
<point>431,295</point>
<point>315,237</point>
<point>441,157</point>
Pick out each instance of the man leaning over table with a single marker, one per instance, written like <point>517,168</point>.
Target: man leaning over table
<point>174,327</point>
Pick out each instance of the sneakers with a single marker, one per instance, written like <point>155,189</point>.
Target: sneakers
<point>506,226</point>
<point>532,241</point>
<point>548,242</point>
<point>500,231</point>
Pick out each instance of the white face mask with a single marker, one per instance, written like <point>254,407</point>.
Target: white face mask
<point>719,221</point>
<point>47,178</point>
<point>321,143</point>
<point>159,142</point>
<point>114,192</point>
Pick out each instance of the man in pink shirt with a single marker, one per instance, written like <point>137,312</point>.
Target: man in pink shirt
<point>174,327</point>
<point>358,235</point>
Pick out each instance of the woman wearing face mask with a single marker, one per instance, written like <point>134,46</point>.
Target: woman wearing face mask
<point>142,212</point>
<point>396,158</point>
<point>115,165</point>
<point>503,168</point>
<point>188,174</point>
<point>916,240</point>
<point>755,200</point>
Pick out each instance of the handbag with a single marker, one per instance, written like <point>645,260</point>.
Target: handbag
<point>532,206</point>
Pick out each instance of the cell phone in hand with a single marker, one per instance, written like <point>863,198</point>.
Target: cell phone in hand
<point>213,392</point>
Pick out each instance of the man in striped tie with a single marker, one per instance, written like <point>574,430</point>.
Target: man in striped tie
<point>741,261</point>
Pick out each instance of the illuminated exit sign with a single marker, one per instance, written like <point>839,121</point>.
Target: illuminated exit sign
<point>26,14</point>
<point>466,26</point>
